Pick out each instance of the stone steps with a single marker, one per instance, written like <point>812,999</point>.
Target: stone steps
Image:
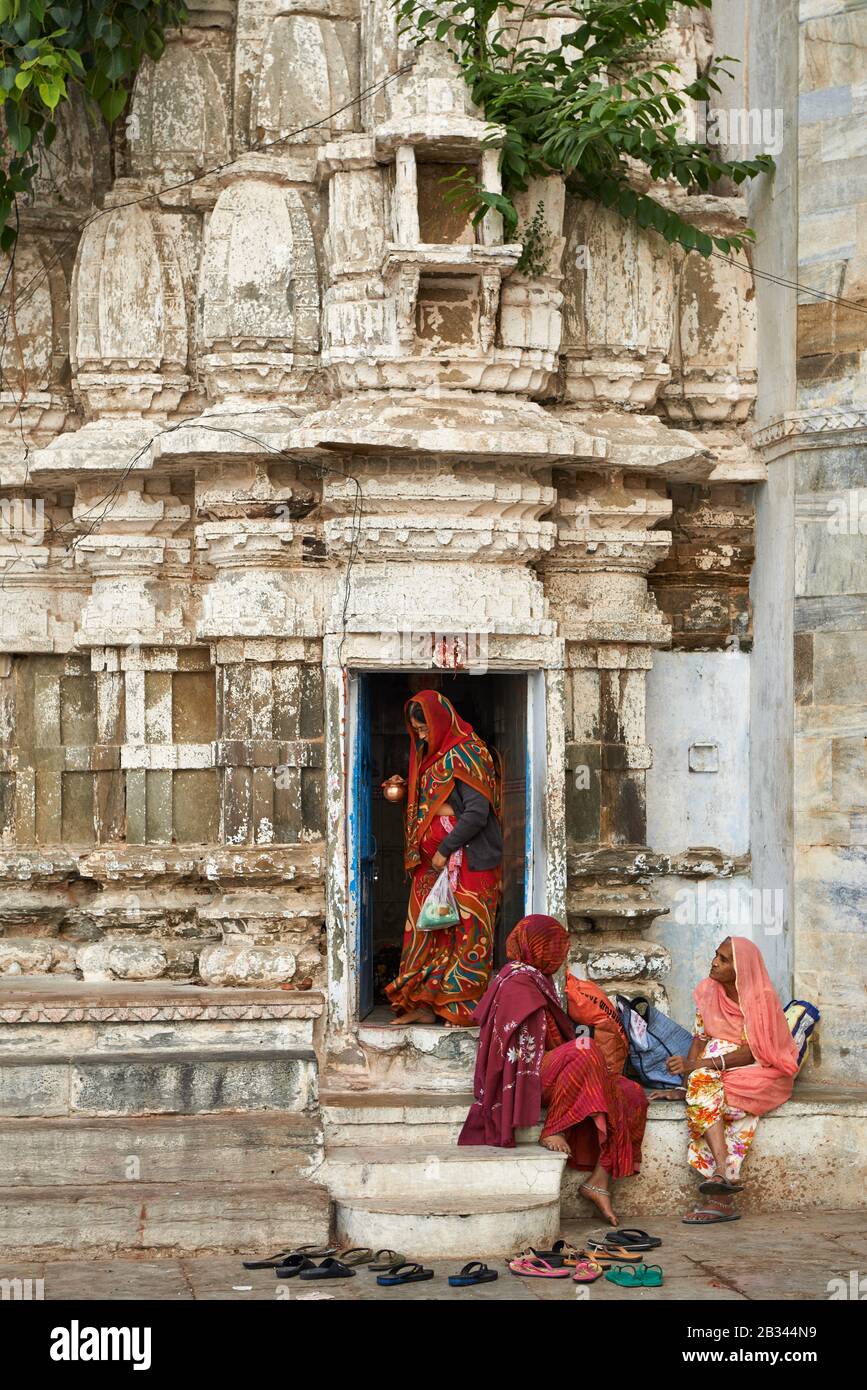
<point>189,1082</point>
<point>75,1150</point>
<point>114,1218</point>
<point>390,1171</point>
<point>375,1117</point>
<point>437,1226</point>
<point>398,1178</point>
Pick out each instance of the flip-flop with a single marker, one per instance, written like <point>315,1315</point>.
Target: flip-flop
<point>533,1267</point>
<point>329,1269</point>
<point>473,1273</point>
<point>611,1254</point>
<point>405,1273</point>
<point>631,1238</point>
<point>355,1255</point>
<point>587,1272</point>
<point>718,1184</point>
<point>561,1253</point>
<point>275,1261</point>
<point>383,1260</point>
<point>293,1266</point>
<point>714,1215</point>
<point>642,1277</point>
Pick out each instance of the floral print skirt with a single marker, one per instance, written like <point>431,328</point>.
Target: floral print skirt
<point>705,1104</point>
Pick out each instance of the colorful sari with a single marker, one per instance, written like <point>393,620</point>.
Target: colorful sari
<point>447,970</point>
<point>529,1058</point>
<point>738,1097</point>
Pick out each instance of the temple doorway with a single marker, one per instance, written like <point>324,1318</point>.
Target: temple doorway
<point>496,704</point>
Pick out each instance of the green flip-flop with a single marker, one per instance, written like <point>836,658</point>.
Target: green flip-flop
<point>635,1276</point>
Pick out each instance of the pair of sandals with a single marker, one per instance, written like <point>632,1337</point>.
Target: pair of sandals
<point>636,1276</point>
<point>624,1246</point>
<point>336,1264</point>
<point>563,1261</point>
<point>473,1273</point>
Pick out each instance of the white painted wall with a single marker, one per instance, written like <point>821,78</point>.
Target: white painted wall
<point>695,698</point>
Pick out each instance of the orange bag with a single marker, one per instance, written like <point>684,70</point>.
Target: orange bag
<point>587,1003</point>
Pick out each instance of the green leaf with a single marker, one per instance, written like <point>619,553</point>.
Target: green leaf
<point>112,103</point>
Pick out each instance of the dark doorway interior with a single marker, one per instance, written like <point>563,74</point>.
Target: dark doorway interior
<point>496,706</point>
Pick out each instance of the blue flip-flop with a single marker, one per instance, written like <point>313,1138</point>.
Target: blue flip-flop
<point>404,1274</point>
<point>473,1273</point>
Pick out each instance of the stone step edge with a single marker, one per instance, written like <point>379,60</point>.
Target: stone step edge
<point>473,1205</point>
<point>296,1123</point>
<point>143,1192</point>
<point>445,1153</point>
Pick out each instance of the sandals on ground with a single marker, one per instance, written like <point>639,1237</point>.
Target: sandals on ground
<point>473,1273</point>
<point>534,1267</point>
<point>638,1277</point>
<point>631,1238</point>
<point>405,1273</point>
<point>383,1260</point>
<point>283,1256</point>
<point>329,1269</point>
<point>713,1214</point>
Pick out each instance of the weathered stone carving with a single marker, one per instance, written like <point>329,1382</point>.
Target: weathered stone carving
<point>129,329</point>
<point>259,289</point>
<point>714,357</point>
<point>617,315</point>
<point>178,120</point>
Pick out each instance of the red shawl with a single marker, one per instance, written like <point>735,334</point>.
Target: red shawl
<point>512,1017</point>
<point>453,752</point>
<point>768,1082</point>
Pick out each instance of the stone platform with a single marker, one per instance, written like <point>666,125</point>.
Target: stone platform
<point>161,1118</point>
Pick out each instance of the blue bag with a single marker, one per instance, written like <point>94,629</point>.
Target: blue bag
<point>664,1038</point>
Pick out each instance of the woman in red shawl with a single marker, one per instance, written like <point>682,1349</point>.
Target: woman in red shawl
<point>451,818</point>
<point>529,1057</point>
<point>741,1064</point>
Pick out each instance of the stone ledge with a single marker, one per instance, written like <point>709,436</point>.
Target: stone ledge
<point>57,999</point>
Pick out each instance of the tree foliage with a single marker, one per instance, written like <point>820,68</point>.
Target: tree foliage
<point>46,50</point>
<point>592,104</point>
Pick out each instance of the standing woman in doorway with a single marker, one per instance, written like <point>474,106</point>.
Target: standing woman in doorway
<point>451,818</point>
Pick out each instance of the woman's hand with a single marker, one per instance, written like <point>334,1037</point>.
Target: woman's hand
<point>439,861</point>
<point>676,1065</point>
<point>395,779</point>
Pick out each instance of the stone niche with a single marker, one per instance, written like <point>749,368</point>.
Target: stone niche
<point>417,293</point>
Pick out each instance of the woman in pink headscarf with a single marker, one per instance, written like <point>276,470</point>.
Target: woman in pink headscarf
<point>741,1064</point>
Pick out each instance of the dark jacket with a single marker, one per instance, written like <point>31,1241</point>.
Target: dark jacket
<point>477,830</point>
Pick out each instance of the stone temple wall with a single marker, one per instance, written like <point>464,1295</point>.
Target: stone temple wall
<point>257,326</point>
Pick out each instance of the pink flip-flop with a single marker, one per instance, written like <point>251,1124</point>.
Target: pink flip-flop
<point>535,1268</point>
<point>587,1272</point>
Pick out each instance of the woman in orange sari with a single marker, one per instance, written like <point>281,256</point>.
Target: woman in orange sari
<point>451,818</point>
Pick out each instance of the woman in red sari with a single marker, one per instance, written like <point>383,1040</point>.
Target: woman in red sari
<point>529,1058</point>
<point>451,818</point>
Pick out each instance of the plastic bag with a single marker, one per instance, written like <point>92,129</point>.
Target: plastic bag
<point>439,908</point>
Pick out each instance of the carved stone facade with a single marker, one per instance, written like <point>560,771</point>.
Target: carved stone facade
<point>279,403</point>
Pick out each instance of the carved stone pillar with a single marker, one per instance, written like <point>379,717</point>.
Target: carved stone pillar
<point>596,586</point>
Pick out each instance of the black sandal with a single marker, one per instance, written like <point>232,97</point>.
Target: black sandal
<point>404,1274</point>
<point>277,1261</point>
<point>329,1269</point>
<point>294,1265</point>
<point>473,1273</point>
<point>631,1238</point>
<point>719,1184</point>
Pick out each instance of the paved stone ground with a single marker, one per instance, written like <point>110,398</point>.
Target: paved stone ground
<point>761,1257</point>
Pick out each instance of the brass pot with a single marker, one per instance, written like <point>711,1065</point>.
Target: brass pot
<point>394,791</point>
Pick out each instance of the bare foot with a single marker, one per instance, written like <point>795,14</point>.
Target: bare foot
<point>600,1199</point>
<point>557,1143</point>
<point>420,1015</point>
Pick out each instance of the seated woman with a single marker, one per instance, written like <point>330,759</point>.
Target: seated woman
<point>741,1064</point>
<point>529,1057</point>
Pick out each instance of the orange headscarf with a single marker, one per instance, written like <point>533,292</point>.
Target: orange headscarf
<point>769,1081</point>
<point>452,752</point>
